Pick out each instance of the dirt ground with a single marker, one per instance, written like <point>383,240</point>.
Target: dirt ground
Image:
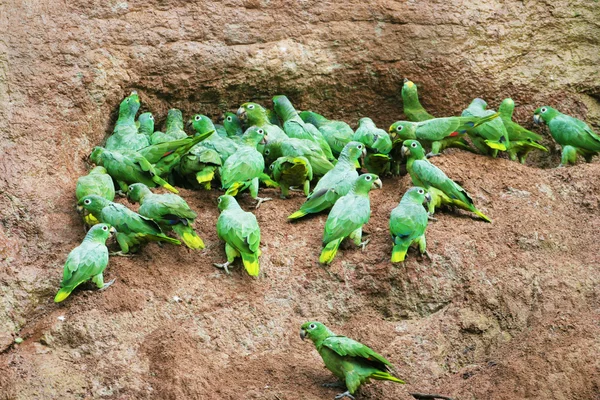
<point>508,310</point>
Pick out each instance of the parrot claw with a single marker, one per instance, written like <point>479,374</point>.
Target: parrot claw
<point>107,284</point>
<point>120,253</point>
<point>431,217</point>
<point>338,384</point>
<point>426,254</point>
<point>364,244</point>
<point>121,193</point>
<point>296,189</point>
<point>429,155</point>
<point>223,266</point>
<point>262,200</point>
<point>345,394</point>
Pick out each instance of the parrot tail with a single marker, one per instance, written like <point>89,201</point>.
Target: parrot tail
<point>205,176</point>
<point>385,376</point>
<point>250,261</point>
<point>189,236</point>
<point>161,238</point>
<point>62,294</point>
<point>320,165</point>
<point>481,215</point>
<point>495,145</point>
<point>399,252</point>
<point>329,252</point>
<point>298,214</point>
<point>266,179</point>
<point>483,120</point>
<point>235,188</point>
<point>161,182</point>
<point>537,146</point>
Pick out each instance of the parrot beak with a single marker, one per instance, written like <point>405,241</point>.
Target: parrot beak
<point>189,123</point>
<point>378,184</point>
<point>364,151</point>
<point>133,92</point>
<point>112,231</point>
<point>537,119</point>
<point>427,198</point>
<point>302,334</point>
<point>406,80</point>
<point>241,113</point>
<point>404,150</point>
<point>80,209</point>
<point>263,141</point>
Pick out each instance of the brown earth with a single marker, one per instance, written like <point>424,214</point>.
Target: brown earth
<point>509,310</point>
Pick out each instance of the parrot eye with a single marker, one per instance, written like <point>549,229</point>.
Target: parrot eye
<point>267,152</point>
<point>413,145</point>
<point>271,166</point>
<point>367,178</point>
<point>399,128</point>
<point>219,200</point>
<point>251,107</point>
<point>360,146</point>
<point>87,201</point>
<point>127,100</point>
<point>543,110</point>
<point>312,326</point>
<point>421,191</point>
<point>229,119</point>
<point>105,228</point>
<point>152,117</point>
<point>197,118</point>
<point>261,131</point>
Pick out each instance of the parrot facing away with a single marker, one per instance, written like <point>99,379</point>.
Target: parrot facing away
<point>350,361</point>
<point>490,136</point>
<point>145,125</point>
<point>296,128</point>
<point>335,183</point>
<point>522,141</point>
<point>412,107</point>
<point>292,171</point>
<point>442,189</point>
<point>408,222</point>
<point>198,167</point>
<point>337,133</point>
<point>125,134</point>
<point>174,124</point>
<point>378,144</point>
<point>169,211</point>
<point>253,114</point>
<point>99,182</point>
<point>132,228</point>
<point>240,232</point>
<point>347,217</point>
<point>86,261</point>
<point>574,135</point>
<point>292,147</point>
<point>128,167</point>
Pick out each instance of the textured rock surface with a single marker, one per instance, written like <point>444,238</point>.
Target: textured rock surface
<point>508,310</point>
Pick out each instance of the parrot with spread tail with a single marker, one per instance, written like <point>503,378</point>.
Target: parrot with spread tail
<point>292,171</point>
<point>169,211</point>
<point>350,361</point>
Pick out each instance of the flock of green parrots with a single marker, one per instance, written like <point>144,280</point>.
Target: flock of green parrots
<point>288,150</point>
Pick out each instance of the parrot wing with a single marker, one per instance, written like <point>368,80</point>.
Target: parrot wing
<point>430,175</point>
<point>240,230</point>
<point>349,213</point>
<point>347,347</point>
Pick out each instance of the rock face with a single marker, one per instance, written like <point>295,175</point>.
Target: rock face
<point>502,311</point>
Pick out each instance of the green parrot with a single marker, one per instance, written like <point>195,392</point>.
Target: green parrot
<point>442,189</point>
<point>86,261</point>
<point>522,141</point>
<point>350,361</point>
<point>438,133</point>
<point>132,228</point>
<point>198,167</point>
<point>169,211</point>
<point>253,114</point>
<point>220,129</point>
<point>145,125</point>
<point>233,125</point>
<point>159,154</point>
<point>241,234</point>
<point>337,133</point>
<point>291,147</point>
<point>174,124</point>
<point>244,168</point>
<point>489,137</point>
<point>574,135</point>
<point>295,127</point>
<point>292,171</point>
<point>222,145</point>
<point>128,167</point>
<point>99,182</point>
<point>347,217</point>
<point>125,134</point>
<point>378,144</point>
<point>408,222</point>
<point>335,183</point>
<point>413,109</point>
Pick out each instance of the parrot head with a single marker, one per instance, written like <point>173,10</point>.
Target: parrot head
<point>226,201</point>
<point>146,122</point>
<point>130,105</point>
<point>99,170</point>
<point>92,203</point>
<point>353,151</point>
<point>174,119</point>
<point>403,130</point>
<point>202,124</point>
<point>409,91</point>
<point>232,123</point>
<point>478,103</point>
<point>418,194</point>
<point>96,155</point>
<point>366,122</point>
<point>412,149</point>
<point>366,182</point>
<point>100,232</point>
<point>507,107</point>
<point>314,331</point>
<point>544,114</point>
<point>251,113</point>
<point>254,136</point>
<point>283,107</point>
<point>382,142</point>
<point>137,191</point>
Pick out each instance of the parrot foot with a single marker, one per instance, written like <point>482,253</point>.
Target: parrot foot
<point>429,155</point>
<point>262,200</point>
<point>296,189</point>
<point>426,254</point>
<point>121,193</point>
<point>431,217</point>
<point>364,244</point>
<point>338,384</point>
<point>223,266</point>
<point>345,394</point>
<point>107,284</point>
<point>120,253</point>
